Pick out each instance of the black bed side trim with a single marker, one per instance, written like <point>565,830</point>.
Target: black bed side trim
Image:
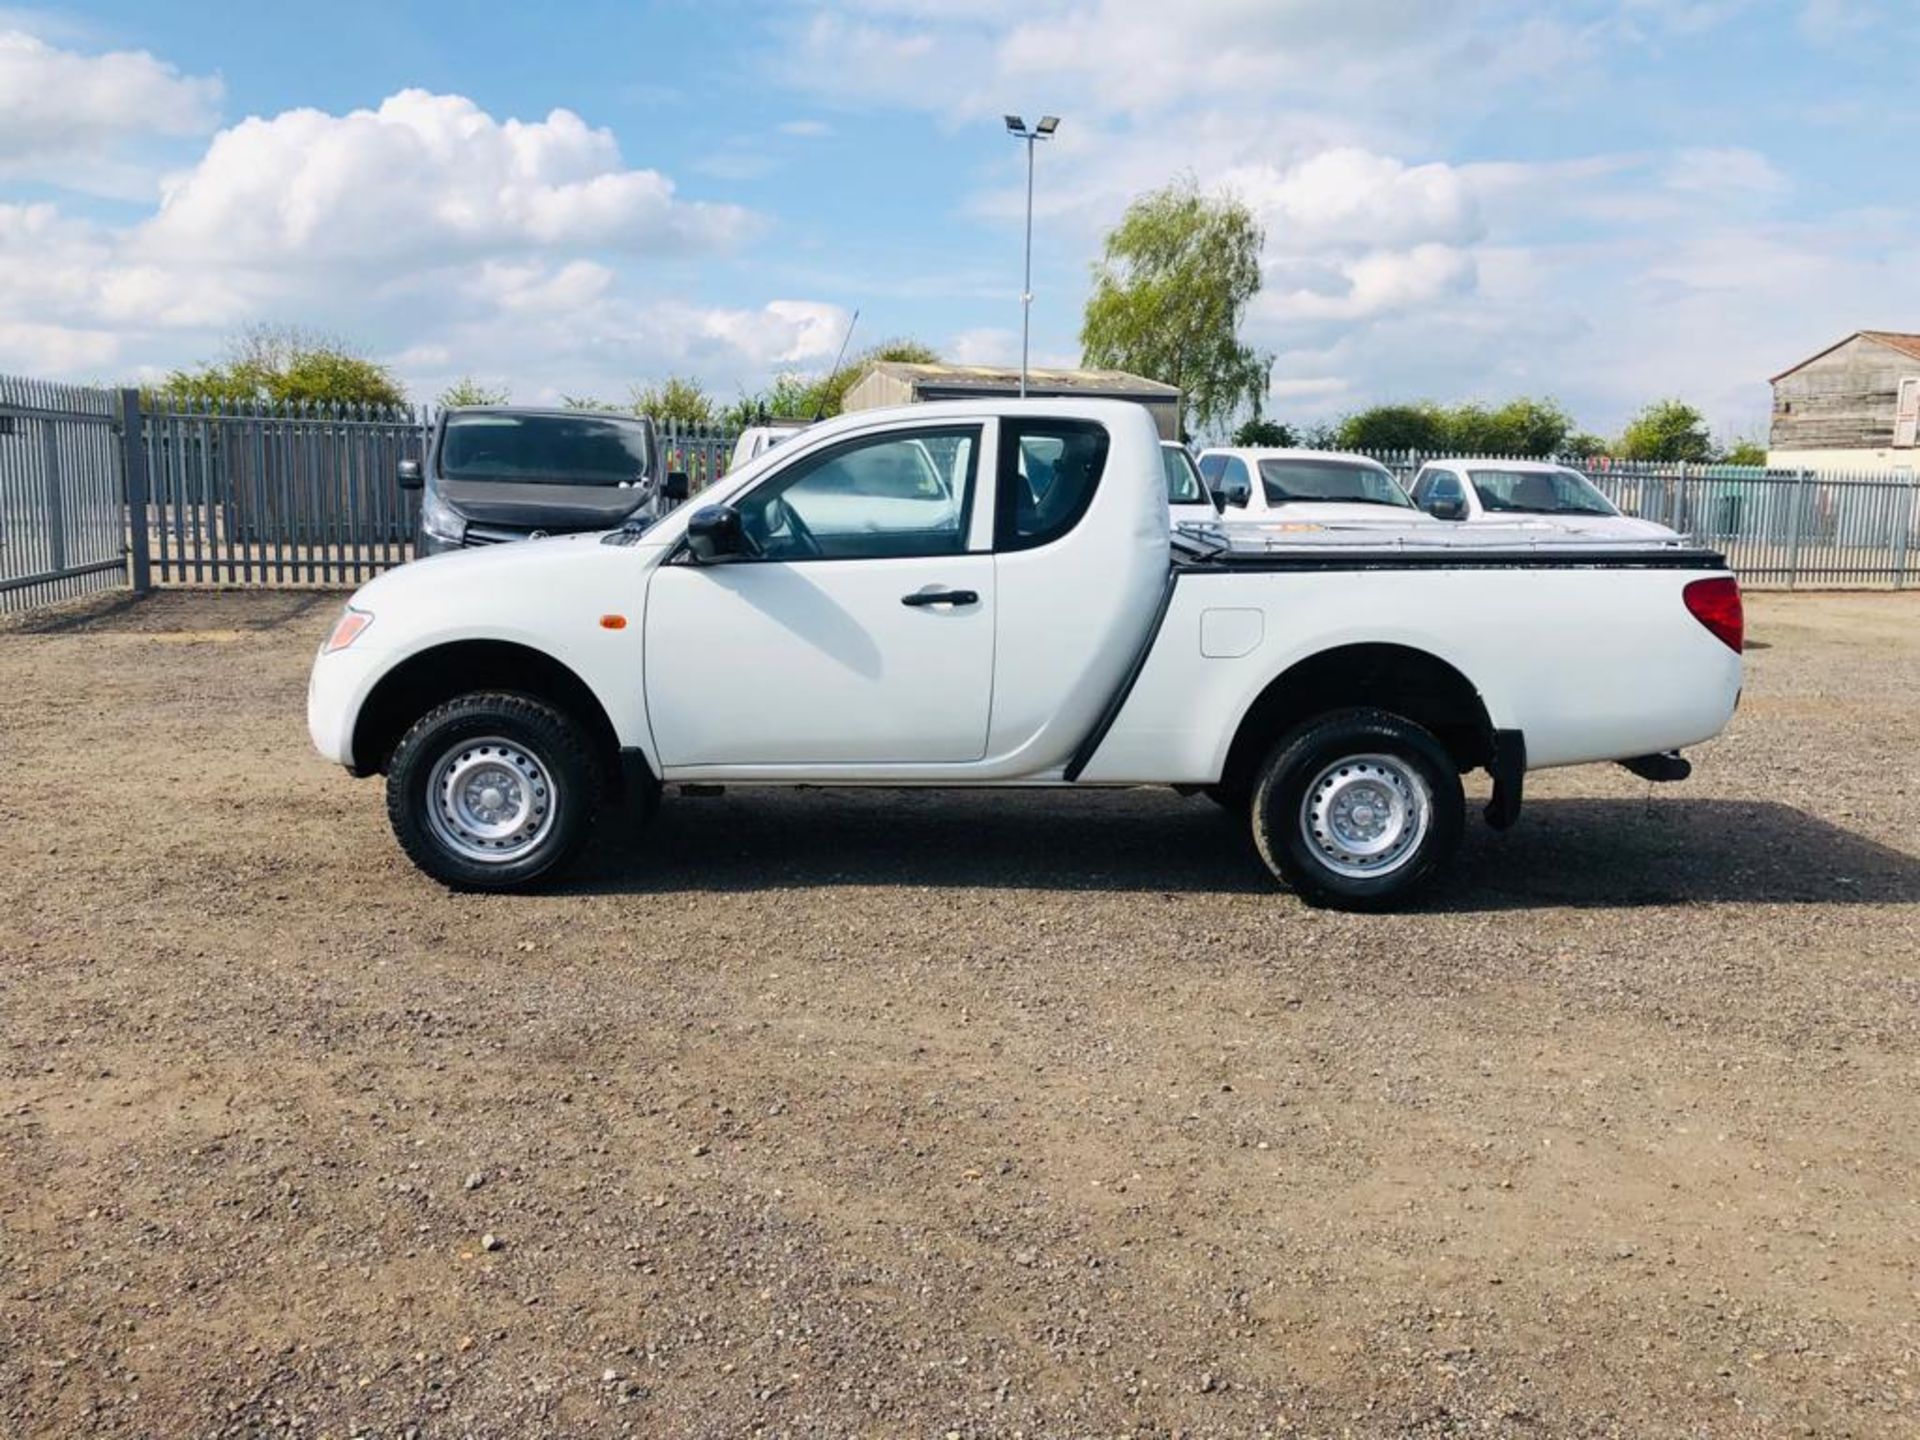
<point>1459,560</point>
<point>1084,755</point>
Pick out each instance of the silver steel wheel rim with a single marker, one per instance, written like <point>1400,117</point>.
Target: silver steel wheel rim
<point>1365,816</point>
<point>490,801</point>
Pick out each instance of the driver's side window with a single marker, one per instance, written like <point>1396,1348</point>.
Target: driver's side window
<point>879,497</point>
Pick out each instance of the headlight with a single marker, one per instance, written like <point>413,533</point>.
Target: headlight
<point>441,520</point>
<point>347,629</point>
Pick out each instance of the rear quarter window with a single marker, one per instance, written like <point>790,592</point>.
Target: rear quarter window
<point>1049,471</point>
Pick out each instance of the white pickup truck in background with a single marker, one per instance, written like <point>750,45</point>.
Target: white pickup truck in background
<point>1295,487</point>
<point>1532,494</point>
<point>836,613</point>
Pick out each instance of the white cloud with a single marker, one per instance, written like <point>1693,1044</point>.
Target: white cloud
<point>59,349</point>
<point>1090,60</point>
<point>806,129</point>
<point>984,345</point>
<point>426,229</point>
<point>1724,171</point>
<point>1350,196</point>
<point>423,177</point>
<point>65,117</point>
<point>533,286</point>
<point>1375,283</point>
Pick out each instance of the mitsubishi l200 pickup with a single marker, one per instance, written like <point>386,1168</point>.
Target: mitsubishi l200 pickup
<point>985,593</point>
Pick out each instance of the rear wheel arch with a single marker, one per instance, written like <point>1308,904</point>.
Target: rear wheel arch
<point>439,674</point>
<point>1398,679</point>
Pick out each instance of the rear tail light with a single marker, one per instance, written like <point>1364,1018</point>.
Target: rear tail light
<point>1715,604</point>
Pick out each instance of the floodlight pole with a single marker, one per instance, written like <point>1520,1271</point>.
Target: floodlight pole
<point>1026,284</point>
<point>1020,130</point>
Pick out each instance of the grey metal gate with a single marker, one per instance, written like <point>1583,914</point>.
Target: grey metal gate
<point>278,495</point>
<point>62,492</point>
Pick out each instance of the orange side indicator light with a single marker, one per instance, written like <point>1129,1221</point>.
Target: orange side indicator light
<point>613,622</point>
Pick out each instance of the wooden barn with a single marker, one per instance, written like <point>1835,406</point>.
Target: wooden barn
<point>1854,406</point>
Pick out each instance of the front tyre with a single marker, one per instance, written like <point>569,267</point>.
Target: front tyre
<point>492,791</point>
<point>1358,810</point>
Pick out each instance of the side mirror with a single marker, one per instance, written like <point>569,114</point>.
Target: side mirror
<point>1448,507</point>
<point>1235,493</point>
<point>410,475</point>
<point>714,534</point>
<point>1219,500</point>
<point>677,486</point>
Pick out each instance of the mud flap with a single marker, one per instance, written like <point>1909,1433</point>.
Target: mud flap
<point>1508,766</point>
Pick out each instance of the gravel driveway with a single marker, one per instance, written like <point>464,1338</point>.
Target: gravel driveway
<point>898,1115</point>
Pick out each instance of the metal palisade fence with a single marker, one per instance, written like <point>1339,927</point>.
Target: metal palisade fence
<point>1776,527</point>
<point>62,495</point>
<point>100,489</point>
<point>307,495</point>
<point>278,495</point>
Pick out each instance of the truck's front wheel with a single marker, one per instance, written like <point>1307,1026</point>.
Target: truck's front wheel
<point>492,791</point>
<point>1358,809</point>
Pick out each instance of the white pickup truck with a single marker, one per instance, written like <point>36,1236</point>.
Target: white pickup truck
<point>985,594</point>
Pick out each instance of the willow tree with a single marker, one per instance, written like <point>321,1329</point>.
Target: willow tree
<point>1169,294</point>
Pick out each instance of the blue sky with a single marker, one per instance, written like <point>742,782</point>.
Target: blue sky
<point>1606,201</point>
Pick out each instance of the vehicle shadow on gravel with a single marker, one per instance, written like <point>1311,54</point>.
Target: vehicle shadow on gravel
<point>1577,852</point>
<point>1670,851</point>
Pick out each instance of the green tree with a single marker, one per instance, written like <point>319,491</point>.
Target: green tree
<point>1394,427</point>
<point>1522,426</point>
<point>1169,294</point>
<point>584,402</point>
<point>677,401</point>
<point>1584,445</point>
<point>796,396</point>
<point>1746,451</point>
<point>1261,431</point>
<point>829,393</point>
<point>281,364</point>
<point>469,391</point>
<point>1667,430</point>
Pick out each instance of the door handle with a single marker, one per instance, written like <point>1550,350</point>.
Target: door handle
<point>941,597</point>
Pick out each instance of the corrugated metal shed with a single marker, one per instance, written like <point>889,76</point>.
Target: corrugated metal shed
<point>895,382</point>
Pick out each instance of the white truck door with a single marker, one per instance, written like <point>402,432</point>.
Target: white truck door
<point>862,630</point>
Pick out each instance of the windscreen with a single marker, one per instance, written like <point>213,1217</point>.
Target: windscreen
<point>1183,478</point>
<point>1538,492</point>
<point>1350,482</point>
<point>544,449</point>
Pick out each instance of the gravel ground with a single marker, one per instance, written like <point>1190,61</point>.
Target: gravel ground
<point>863,1114</point>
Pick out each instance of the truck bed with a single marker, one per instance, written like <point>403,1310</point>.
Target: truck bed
<point>1585,647</point>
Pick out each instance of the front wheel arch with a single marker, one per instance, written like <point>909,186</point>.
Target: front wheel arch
<point>440,673</point>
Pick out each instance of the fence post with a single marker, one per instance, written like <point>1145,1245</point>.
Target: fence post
<point>1907,502</point>
<point>133,480</point>
<point>56,500</point>
<point>1795,501</point>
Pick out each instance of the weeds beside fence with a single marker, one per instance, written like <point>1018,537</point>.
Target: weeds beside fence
<point>98,491</point>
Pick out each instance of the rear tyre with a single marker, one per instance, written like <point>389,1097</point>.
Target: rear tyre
<point>1358,810</point>
<point>492,791</point>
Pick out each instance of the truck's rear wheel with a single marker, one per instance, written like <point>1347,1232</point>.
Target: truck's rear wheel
<point>492,791</point>
<point>1357,810</point>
